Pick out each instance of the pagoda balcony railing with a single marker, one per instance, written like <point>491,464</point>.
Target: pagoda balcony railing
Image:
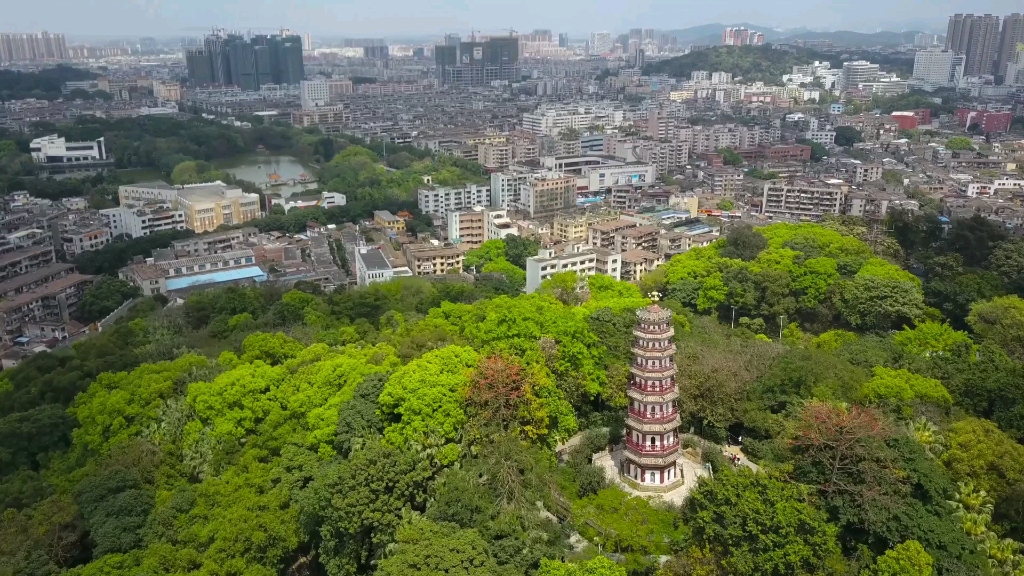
<point>654,334</point>
<point>649,389</point>
<point>652,371</point>
<point>656,450</point>
<point>660,351</point>
<point>654,417</point>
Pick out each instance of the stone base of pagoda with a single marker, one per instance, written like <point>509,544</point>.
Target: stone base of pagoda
<point>612,463</point>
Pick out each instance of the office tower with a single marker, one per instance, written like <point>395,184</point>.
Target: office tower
<point>1011,35</point>
<point>1015,67</point>
<point>636,34</point>
<point>600,43</point>
<point>563,40</point>
<point>307,41</point>
<point>648,34</point>
<point>478,63</point>
<point>977,38</point>
<point>636,58</point>
<point>939,68</point>
<point>924,40</point>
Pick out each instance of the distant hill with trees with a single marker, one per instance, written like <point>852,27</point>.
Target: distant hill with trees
<point>712,34</point>
<point>752,63</point>
<point>44,84</point>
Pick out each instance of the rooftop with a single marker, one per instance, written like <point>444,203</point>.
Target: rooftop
<point>33,276</point>
<point>373,259</point>
<point>246,273</point>
<point>54,287</point>
<point>10,257</point>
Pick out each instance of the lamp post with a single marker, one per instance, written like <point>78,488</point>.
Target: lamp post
<point>733,324</point>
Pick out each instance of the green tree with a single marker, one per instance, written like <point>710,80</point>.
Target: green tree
<point>848,136</point>
<point>730,157</point>
<point>981,453</point>
<point>901,387</point>
<point>1001,322</point>
<point>930,338</point>
<point>486,253</point>
<point>761,525</point>
<point>626,524</point>
<point>515,276</point>
<point>906,559</point>
<point>425,399</point>
<point>878,303</point>
<point>105,296</point>
<point>437,549</point>
<point>726,205</point>
<point>743,242</point>
<point>958,143</point>
<point>1007,261</point>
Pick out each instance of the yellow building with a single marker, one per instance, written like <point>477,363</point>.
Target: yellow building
<point>570,227</point>
<point>207,206</point>
<point>385,219</point>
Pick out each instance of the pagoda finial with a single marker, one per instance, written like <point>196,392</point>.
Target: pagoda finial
<point>654,296</point>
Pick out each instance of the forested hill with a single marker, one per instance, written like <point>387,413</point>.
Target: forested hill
<point>752,63</point>
<point>408,427</point>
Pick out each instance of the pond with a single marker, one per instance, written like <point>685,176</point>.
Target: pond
<point>260,169</point>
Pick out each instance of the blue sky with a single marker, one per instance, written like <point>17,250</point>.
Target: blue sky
<point>402,17</point>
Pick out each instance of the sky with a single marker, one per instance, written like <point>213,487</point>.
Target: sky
<point>362,18</point>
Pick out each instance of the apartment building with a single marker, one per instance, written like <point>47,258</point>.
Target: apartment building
<point>138,221</point>
<point>207,206</point>
<point>468,228</point>
<point>637,263</point>
<point>547,194</point>
<point>329,119</point>
<point>723,180</point>
<point>804,200</point>
<point>209,244</point>
<point>442,201</point>
<point>866,173</point>
<point>495,156</point>
<point>44,309</point>
<point>433,260</point>
<point>499,225</point>
<point>643,238</point>
<point>385,220</point>
<point>147,193</point>
<point>507,186</point>
<point>603,234</point>
<point>573,227</point>
<point>823,137</point>
<point>84,237</point>
<point>711,138</point>
<point>582,259</point>
<point>24,260</point>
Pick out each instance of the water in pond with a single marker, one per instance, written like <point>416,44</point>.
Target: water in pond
<point>258,168</point>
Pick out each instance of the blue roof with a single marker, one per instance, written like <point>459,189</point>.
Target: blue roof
<point>248,272</point>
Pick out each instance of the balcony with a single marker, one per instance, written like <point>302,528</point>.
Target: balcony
<point>654,417</point>
<point>664,395</point>
<point>652,372</point>
<point>644,334</point>
<point>654,352</point>
<point>656,451</point>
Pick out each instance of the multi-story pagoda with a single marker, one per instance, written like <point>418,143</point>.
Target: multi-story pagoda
<point>651,439</point>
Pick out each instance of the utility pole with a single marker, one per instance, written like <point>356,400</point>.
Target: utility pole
<point>733,325</point>
<point>782,321</point>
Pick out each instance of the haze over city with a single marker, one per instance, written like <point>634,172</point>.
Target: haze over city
<point>409,17</point>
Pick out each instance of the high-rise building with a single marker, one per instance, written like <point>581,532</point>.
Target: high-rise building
<point>938,68</point>
<point>17,47</point>
<point>924,40</point>
<point>600,43</point>
<point>563,40</point>
<point>741,37</point>
<point>230,59</point>
<point>977,38</point>
<point>1011,35</point>
<point>652,419</point>
<point>478,63</point>
<point>1015,68</point>
<point>649,34</point>
<point>307,41</point>
<point>636,33</point>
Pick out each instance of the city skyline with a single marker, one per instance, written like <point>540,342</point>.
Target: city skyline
<point>406,17</point>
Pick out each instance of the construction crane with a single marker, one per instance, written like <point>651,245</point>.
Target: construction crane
<point>512,32</point>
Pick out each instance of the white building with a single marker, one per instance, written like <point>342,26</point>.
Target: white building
<point>499,225</point>
<point>55,150</point>
<point>582,259</point>
<point>324,200</point>
<point>313,93</point>
<point>146,192</point>
<point>721,78</point>
<point>506,187</point>
<point>937,68</point>
<point>823,137</point>
<point>441,201</point>
<point>858,72</point>
<point>598,177</point>
<point>138,221</point>
<point>551,121</point>
<point>372,266</point>
<point>600,43</point>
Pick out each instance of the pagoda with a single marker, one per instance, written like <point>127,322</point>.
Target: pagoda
<point>651,438</point>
